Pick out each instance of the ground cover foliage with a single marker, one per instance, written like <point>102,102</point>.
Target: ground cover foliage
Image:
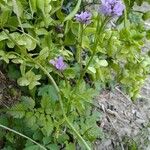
<point>60,61</point>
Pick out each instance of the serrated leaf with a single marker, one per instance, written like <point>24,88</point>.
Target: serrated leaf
<point>29,79</point>
<point>45,102</point>
<point>48,128</point>
<point>46,140</point>
<point>30,118</point>
<point>18,111</point>
<point>28,102</point>
<point>48,90</point>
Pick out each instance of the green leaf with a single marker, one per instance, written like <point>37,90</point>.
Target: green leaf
<point>44,53</point>
<point>23,81</point>
<point>72,14</point>
<point>102,63</point>
<point>90,30</point>
<point>4,120</point>
<point>30,119</point>
<point>4,56</point>
<point>29,79</point>
<point>148,34</point>
<point>70,146</point>
<point>40,5</point>
<point>45,103</point>
<point>17,61</point>
<point>63,138</point>
<point>48,90</point>
<point>69,73</point>
<point>32,147</point>
<point>146,15</point>
<point>28,102</point>
<point>3,36</point>
<point>92,69</point>
<point>13,72</point>
<point>70,38</point>
<point>4,17</point>
<point>17,8</point>
<point>18,111</point>
<point>48,128</point>
<point>46,140</point>
<point>28,42</point>
<point>33,7</point>
<point>53,147</point>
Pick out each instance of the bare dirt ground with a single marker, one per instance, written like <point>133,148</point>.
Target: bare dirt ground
<point>124,121</point>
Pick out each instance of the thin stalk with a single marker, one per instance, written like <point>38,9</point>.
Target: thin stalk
<point>125,16</point>
<point>57,89</point>
<point>62,1</point>
<point>24,136</point>
<point>99,29</point>
<point>79,47</point>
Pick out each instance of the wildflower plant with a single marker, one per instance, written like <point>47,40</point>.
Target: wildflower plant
<point>60,62</point>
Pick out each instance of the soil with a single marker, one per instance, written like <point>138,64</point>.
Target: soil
<point>9,93</point>
<point>124,120</point>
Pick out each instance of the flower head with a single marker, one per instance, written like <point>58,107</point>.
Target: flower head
<point>58,63</point>
<point>112,7</point>
<point>84,17</point>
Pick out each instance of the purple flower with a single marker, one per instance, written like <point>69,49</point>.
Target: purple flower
<point>112,7</point>
<point>84,17</point>
<point>58,63</point>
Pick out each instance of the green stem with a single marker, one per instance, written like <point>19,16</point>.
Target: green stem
<point>57,89</point>
<point>78,135</point>
<point>98,31</point>
<point>79,47</point>
<point>24,136</point>
<point>62,1</point>
<point>125,16</point>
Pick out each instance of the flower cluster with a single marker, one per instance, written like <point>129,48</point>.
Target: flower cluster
<point>84,17</point>
<point>58,63</point>
<point>112,7</point>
